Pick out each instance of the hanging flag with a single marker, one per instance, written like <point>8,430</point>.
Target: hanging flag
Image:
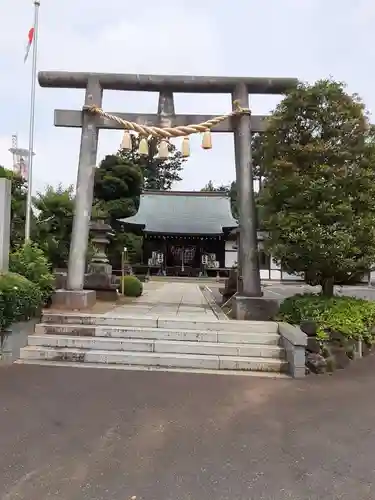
<point>29,43</point>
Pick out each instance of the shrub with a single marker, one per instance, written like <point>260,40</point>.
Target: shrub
<point>132,286</point>
<point>352,317</point>
<point>20,299</point>
<point>29,261</point>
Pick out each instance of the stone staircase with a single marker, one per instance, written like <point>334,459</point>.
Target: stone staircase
<point>170,343</point>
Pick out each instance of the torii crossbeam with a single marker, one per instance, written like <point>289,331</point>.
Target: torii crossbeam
<point>241,126</point>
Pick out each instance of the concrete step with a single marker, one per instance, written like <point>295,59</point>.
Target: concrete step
<point>149,359</point>
<point>202,371</point>
<point>159,322</point>
<point>153,333</point>
<point>157,346</point>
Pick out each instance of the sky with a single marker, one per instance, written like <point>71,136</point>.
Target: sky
<point>305,39</point>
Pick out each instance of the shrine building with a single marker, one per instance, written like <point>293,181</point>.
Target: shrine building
<point>185,233</point>
<point>192,233</point>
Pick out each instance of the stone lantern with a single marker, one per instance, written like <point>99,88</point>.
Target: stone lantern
<point>100,230</point>
<point>99,276</point>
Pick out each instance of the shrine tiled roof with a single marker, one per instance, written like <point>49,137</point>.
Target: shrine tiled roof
<point>183,212</point>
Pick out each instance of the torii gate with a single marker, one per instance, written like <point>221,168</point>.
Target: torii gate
<point>241,126</point>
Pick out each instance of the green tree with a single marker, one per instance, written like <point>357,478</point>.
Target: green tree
<point>158,173</point>
<point>55,208</point>
<point>117,188</point>
<point>230,189</point>
<point>117,178</point>
<point>210,187</point>
<point>18,207</point>
<point>318,196</point>
<point>233,199</point>
<point>29,261</point>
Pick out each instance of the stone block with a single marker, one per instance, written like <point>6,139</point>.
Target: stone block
<point>252,364</point>
<point>153,359</point>
<point>110,295</point>
<point>316,363</point>
<point>156,333</point>
<point>60,280</point>
<point>61,329</point>
<point>5,209</point>
<point>101,344</point>
<point>249,338</point>
<point>98,281</point>
<point>313,345</point>
<point>255,308</point>
<point>309,327</point>
<point>103,284</point>
<point>74,299</point>
<point>217,325</point>
<point>294,341</point>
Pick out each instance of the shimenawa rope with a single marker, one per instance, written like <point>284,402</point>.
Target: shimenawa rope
<point>168,132</point>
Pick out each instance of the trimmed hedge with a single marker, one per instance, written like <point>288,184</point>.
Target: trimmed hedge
<point>132,286</point>
<point>352,317</point>
<point>20,299</point>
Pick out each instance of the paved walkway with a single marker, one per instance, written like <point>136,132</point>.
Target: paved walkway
<point>168,299</point>
<point>89,434</point>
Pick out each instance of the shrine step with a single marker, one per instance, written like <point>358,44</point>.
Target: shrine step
<point>160,322</point>
<point>156,346</point>
<point>152,359</point>
<point>204,371</point>
<point>169,343</point>
<point>255,336</point>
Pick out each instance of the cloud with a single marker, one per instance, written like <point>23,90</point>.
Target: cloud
<point>288,38</point>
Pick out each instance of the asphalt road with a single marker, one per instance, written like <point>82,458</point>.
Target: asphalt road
<point>79,434</point>
<point>280,291</point>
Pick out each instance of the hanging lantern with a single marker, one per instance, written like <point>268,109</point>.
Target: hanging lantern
<point>143,147</point>
<point>163,149</point>
<point>185,149</point>
<point>207,140</point>
<point>126,141</point>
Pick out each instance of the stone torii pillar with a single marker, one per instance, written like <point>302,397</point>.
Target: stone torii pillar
<point>249,303</point>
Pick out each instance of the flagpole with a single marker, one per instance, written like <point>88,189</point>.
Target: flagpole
<point>32,122</point>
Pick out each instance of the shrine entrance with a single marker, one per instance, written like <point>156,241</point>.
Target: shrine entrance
<point>164,125</point>
<point>182,255</point>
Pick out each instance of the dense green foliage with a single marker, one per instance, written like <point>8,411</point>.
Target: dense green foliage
<point>117,188</point>
<point>131,286</point>
<point>352,317</point>
<point>317,159</point>
<point>30,262</point>
<point>230,189</point>
<point>20,299</point>
<point>54,223</point>
<point>119,180</point>
<point>158,173</point>
<point>118,184</point>
<point>18,207</point>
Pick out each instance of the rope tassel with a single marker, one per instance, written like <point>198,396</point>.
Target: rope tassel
<point>207,140</point>
<point>126,141</point>
<point>143,147</point>
<point>167,132</point>
<point>185,149</point>
<point>163,149</point>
